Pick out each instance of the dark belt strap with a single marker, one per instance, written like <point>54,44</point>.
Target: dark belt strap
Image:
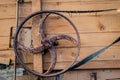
<point>93,55</point>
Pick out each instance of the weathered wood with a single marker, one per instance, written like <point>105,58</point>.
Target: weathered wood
<point>84,24</point>
<point>86,74</point>
<point>26,77</point>
<point>68,54</point>
<point>90,65</point>
<point>5,61</point>
<point>79,5</point>
<point>27,58</point>
<point>4,43</point>
<point>37,58</point>
<point>9,10</point>
<point>85,1</point>
<point>5,26</point>
<point>90,39</point>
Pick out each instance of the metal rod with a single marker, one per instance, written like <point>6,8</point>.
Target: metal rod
<point>17,21</point>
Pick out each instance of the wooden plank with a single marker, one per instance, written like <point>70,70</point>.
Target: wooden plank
<point>25,39</point>
<point>84,24</point>
<point>68,54</point>
<point>101,1</point>
<point>26,77</point>
<point>5,26</point>
<point>90,39</point>
<point>7,11</point>
<point>114,64</point>
<point>37,58</point>
<point>7,54</point>
<point>110,57</point>
<point>10,55</point>
<point>78,5</point>
<point>12,1</point>
<point>7,2</point>
<point>4,43</point>
<point>86,74</point>
<point>5,61</point>
<point>25,9</point>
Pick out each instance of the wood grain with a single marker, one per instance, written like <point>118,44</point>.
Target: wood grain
<point>90,39</point>
<point>5,61</point>
<point>37,58</point>
<point>4,43</point>
<point>84,24</point>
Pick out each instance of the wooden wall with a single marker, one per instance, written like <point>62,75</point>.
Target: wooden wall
<point>96,30</point>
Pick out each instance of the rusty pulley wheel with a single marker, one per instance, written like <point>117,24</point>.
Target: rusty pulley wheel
<point>47,44</point>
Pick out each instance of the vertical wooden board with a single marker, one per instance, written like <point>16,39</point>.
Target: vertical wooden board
<point>36,6</point>
<point>25,9</point>
<point>25,39</point>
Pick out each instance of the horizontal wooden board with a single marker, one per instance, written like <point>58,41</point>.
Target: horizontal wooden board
<point>27,58</point>
<point>100,1</point>
<point>5,61</point>
<point>4,43</point>
<point>11,1</point>
<point>108,23</point>
<point>9,10</point>
<point>89,65</point>
<point>5,26</point>
<point>68,54</point>
<point>26,77</point>
<point>106,74</point>
<point>79,5</point>
<point>90,39</point>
